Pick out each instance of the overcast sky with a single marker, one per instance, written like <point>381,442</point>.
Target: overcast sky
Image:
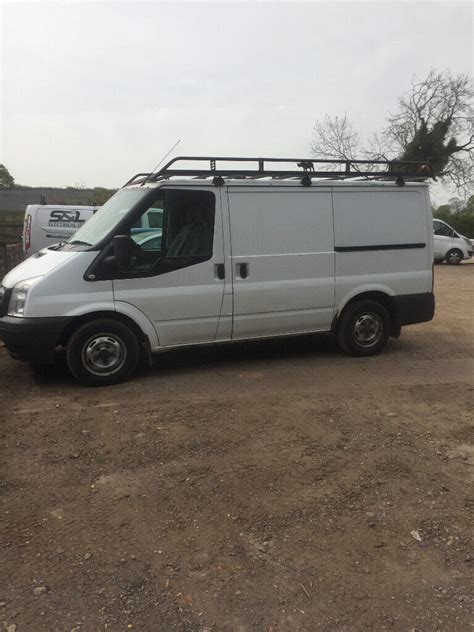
<point>94,92</point>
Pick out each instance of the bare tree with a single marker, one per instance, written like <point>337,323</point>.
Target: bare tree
<point>433,123</point>
<point>335,138</point>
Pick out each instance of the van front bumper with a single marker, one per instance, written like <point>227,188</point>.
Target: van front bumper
<point>32,339</point>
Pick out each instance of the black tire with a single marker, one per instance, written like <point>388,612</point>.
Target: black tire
<point>454,257</point>
<point>102,352</point>
<point>364,328</point>
<point>438,260</point>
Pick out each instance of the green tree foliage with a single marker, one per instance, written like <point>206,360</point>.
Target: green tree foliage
<point>433,123</point>
<point>429,144</point>
<point>459,215</point>
<point>6,180</point>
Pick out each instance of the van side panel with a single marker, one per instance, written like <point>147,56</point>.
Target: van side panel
<point>429,221</point>
<point>285,240</point>
<point>383,241</point>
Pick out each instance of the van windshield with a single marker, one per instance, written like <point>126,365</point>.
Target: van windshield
<point>107,217</point>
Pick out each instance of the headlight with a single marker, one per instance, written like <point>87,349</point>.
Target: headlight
<point>18,297</point>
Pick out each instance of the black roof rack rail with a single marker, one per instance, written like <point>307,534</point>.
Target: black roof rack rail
<point>304,168</point>
<point>137,175</point>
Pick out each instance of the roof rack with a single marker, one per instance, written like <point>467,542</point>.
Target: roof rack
<point>303,168</point>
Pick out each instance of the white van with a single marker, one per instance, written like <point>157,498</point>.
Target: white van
<point>240,254</point>
<point>45,225</point>
<point>449,245</point>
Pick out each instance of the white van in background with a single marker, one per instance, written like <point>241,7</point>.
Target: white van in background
<point>449,245</point>
<point>197,256</point>
<point>46,225</point>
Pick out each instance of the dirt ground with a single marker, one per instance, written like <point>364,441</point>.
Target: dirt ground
<point>270,487</point>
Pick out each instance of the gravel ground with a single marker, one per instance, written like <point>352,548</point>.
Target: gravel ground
<point>269,487</point>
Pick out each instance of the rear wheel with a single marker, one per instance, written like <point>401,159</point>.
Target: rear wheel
<point>364,328</point>
<point>454,257</point>
<point>102,352</point>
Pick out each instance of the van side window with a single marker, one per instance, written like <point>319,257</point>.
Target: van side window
<point>176,231</point>
<point>442,229</point>
<point>155,217</point>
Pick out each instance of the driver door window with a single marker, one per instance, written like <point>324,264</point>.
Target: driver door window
<point>441,230</point>
<point>176,231</point>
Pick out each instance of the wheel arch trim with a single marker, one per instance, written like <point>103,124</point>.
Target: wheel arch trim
<point>362,292</point>
<point>380,293</point>
<point>124,312</point>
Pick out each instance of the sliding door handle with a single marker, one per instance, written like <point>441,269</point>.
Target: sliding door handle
<point>242,270</point>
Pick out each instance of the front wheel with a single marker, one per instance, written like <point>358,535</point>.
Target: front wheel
<point>364,328</point>
<point>454,257</point>
<point>102,352</point>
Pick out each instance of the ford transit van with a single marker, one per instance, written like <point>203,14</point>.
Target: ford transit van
<point>197,255</point>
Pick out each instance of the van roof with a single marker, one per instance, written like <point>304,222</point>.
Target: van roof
<point>280,182</point>
<point>62,206</point>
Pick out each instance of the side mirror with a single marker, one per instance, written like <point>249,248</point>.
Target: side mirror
<point>123,247</point>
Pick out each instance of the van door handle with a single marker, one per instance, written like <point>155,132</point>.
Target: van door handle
<point>219,270</point>
<point>243,270</point>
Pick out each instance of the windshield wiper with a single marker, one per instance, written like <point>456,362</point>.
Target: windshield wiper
<point>57,246</point>
<point>78,242</point>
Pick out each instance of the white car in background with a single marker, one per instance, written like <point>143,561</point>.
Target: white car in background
<point>449,245</point>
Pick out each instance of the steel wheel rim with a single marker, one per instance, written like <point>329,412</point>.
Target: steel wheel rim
<point>368,330</point>
<point>104,354</point>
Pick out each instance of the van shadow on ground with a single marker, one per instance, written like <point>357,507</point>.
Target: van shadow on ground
<point>222,355</point>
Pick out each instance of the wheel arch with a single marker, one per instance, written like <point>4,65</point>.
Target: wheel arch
<point>78,321</point>
<point>380,296</point>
